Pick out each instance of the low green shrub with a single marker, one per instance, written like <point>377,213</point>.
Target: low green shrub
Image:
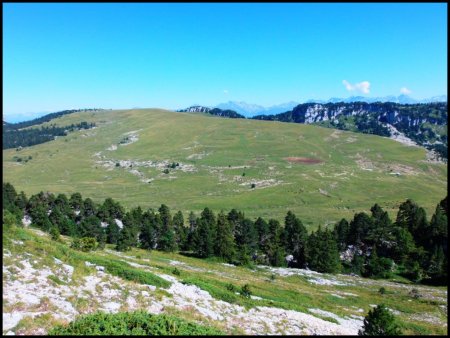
<point>84,244</point>
<point>231,287</point>
<point>132,323</point>
<point>245,291</point>
<point>123,270</point>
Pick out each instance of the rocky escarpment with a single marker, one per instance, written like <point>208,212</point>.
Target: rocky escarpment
<point>425,124</point>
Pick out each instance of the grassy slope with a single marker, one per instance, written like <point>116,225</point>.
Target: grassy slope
<point>68,165</point>
<point>293,292</point>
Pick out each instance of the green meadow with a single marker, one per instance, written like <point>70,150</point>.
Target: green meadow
<point>228,163</point>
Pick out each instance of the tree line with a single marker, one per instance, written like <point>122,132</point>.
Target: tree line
<point>14,138</point>
<point>369,245</point>
<point>45,118</point>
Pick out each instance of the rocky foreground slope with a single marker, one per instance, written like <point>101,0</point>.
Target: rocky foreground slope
<point>40,290</point>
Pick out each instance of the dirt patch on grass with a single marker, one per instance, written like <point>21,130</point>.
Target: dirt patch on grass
<point>303,160</point>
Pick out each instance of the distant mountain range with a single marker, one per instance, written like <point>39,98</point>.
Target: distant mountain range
<point>250,110</point>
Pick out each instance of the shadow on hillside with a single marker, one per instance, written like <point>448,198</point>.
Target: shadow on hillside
<point>189,254</point>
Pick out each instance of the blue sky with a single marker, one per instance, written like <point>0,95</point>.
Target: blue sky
<point>74,55</point>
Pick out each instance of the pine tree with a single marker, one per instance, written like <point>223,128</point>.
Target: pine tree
<point>322,253</point>
<point>341,233</point>
<point>404,245</point>
<point>437,266</point>
<point>357,265</point>
<point>378,266</point>
<point>295,238</point>
<point>333,262</point>
<point>125,240</point>
<point>35,201</point>
<point>110,209</point>
<point>133,223</point>
<point>380,322</point>
<point>9,195</point>
<point>224,246</point>
<point>381,234</point>
<point>377,211</point>
<point>62,203</point>
<point>205,234</point>
<point>76,201</point>
<point>89,208</point>
<point>166,237</point>
<point>112,231</point>
<point>275,251</point>
<point>189,244</point>
<point>203,239</point>
<point>360,226</point>
<point>150,230</point>
<point>21,201</point>
<point>438,230</point>
<point>262,229</point>
<point>90,227</point>
<point>102,237</point>
<point>413,218</point>
<point>57,219</point>
<point>246,239</point>
<point>180,230</point>
<point>40,218</point>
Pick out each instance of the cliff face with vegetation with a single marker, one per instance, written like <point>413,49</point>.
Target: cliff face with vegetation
<point>425,124</point>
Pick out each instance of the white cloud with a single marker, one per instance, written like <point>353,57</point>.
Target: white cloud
<point>363,87</point>
<point>225,91</point>
<point>405,91</point>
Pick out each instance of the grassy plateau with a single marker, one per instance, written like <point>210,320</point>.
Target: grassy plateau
<point>263,168</point>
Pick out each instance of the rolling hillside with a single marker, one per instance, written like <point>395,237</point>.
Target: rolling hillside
<point>263,168</point>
